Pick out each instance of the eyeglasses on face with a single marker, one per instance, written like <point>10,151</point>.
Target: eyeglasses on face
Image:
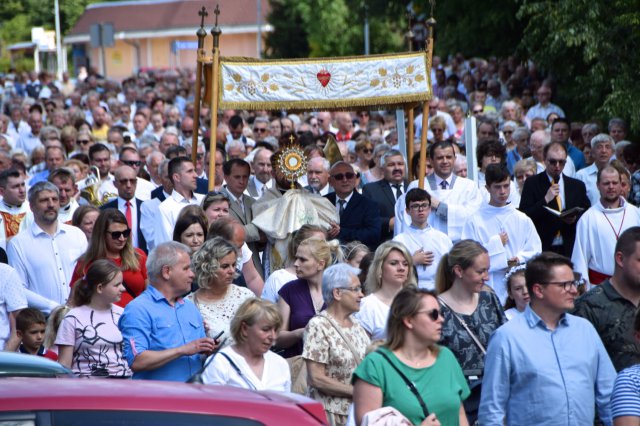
<point>419,207</point>
<point>132,163</point>
<point>126,181</point>
<point>555,162</point>
<point>83,141</point>
<point>117,234</point>
<point>342,176</point>
<point>433,314</point>
<point>367,150</point>
<point>566,285</point>
<point>477,111</point>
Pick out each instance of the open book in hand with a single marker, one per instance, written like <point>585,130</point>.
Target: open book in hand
<point>574,211</point>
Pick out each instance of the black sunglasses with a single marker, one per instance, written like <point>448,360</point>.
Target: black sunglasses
<point>83,141</point>
<point>434,314</point>
<point>133,163</point>
<point>341,176</point>
<point>117,234</point>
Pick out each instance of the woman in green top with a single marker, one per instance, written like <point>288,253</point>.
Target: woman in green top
<point>413,329</point>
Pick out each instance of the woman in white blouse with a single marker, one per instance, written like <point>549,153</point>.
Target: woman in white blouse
<point>249,363</point>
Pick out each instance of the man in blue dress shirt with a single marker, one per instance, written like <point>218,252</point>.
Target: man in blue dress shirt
<point>547,367</point>
<point>163,334</point>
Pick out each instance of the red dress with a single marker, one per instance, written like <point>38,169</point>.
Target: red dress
<point>135,281</point>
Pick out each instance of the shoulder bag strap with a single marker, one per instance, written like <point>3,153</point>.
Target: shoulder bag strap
<point>464,324</point>
<point>409,383</point>
<point>237,370</point>
<point>349,345</point>
<point>126,287</point>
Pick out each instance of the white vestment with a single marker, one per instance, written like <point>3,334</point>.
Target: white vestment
<point>514,194</point>
<point>430,240</point>
<point>485,227</point>
<point>457,204</point>
<point>597,233</point>
<point>13,219</point>
<point>589,176</point>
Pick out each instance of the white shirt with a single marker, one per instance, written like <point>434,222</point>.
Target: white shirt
<point>430,240</point>
<point>276,375</point>
<point>10,216</point>
<point>168,213</point>
<point>259,185</point>
<point>12,298</point>
<point>346,199</point>
<point>373,316</point>
<point>45,264</point>
<point>134,218</point>
<point>596,237</point>
<point>274,283</point>
<point>65,214</point>
<point>28,142</point>
<point>589,176</point>
<point>485,227</point>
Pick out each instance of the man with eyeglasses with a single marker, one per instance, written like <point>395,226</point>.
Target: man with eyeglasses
<point>426,244</point>
<point>546,195</point>
<point>186,131</point>
<point>508,234</point>
<point>451,128</point>
<point>546,366</point>
<point>126,181</point>
<point>261,128</point>
<point>561,132</point>
<point>611,306</point>
<point>45,253</point>
<point>359,216</point>
<point>129,157</point>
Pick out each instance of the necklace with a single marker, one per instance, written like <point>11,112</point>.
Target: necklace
<point>617,234</point>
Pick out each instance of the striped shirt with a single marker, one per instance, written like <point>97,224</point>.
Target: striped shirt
<point>625,400</point>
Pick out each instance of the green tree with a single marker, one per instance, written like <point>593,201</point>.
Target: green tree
<point>590,47</point>
<point>289,38</point>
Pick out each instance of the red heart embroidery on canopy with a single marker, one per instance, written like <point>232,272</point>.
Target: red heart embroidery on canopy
<point>323,77</point>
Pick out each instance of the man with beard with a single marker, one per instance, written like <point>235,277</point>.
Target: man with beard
<point>612,305</point>
<point>45,254</point>
<point>508,234</point>
<point>600,227</point>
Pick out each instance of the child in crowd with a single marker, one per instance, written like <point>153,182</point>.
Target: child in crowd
<point>517,294</point>
<point>30,327</point>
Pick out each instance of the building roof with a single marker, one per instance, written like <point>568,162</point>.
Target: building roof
<point>160,16</point>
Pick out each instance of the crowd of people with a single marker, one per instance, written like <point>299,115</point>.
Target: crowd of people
<point>508,299</point>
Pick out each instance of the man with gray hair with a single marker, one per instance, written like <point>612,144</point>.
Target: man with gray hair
<point>164,334</point>
<point>261,180</point>
<point>318,176</point>
<point>601,152</point>
<point>617,129</point>
<point>539,139</point>
<point>45,253</point>
<point>520,137</point>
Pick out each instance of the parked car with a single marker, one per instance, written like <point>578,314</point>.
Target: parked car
<point>13,364</point>
<point>102,402</point>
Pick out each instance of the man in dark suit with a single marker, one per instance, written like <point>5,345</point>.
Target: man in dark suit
<point>553,190</point>
<point>359,216</point>
<point>386,192</point>
<point>125,182</point>
<point>236,174</point>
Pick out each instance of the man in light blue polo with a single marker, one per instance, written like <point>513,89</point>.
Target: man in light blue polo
<point>163,333</point>
<point>545,366</point>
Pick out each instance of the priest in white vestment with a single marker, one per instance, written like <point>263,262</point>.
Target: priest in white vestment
<point>600,227</point>
<point>508,234</point>
<point>14,207</point>
<point>453,199</point>
<point>426,245</point>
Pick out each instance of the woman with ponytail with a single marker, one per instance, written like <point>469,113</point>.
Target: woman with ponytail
<point>472,312</point>
<point>89,341</point>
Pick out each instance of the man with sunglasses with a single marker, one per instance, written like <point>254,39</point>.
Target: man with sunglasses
<point>546,195</point>
<point>545,366</point>
<point>359,215</point>
<point>130,157</point>
<point>45,253</point>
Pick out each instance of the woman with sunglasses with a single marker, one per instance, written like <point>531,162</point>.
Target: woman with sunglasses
<point>376,172</point>
<point>472,312</point>
<point>111,239</point>
<point>411,354</point>
<point>335,343</point>
<point>364,157</point>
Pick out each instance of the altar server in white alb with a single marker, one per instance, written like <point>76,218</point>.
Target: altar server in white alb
<point>508,234</point>
<point>599,228</point>
<point>426,245</point>
<point>453,199</point>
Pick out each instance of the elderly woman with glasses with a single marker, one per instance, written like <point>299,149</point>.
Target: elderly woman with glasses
<point>411,373</point>
<point>335,343</point>
<point>111,239</point>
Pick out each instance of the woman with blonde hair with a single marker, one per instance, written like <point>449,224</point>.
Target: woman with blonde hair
<point>472,312</point>
<point>301,299</point>
<point>522,170</point>
<point>111,239</point>
<point>411,373</point>
<point>249,363</point>
<point>390,271</point>
<point>364,157</point>
<point>217,298</point>
<point>438,126</point>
